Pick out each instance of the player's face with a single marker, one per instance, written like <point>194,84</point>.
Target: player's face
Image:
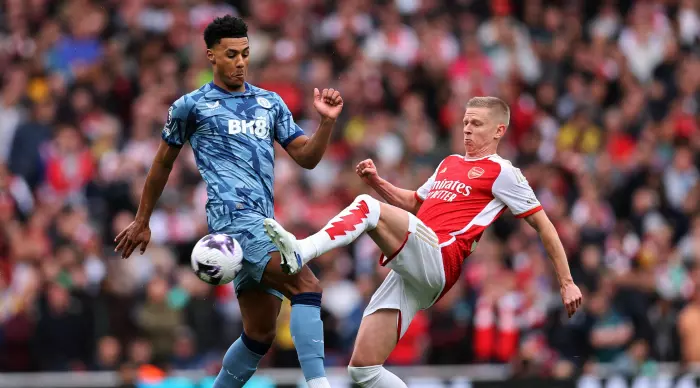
<point>481,130</point>
<point>230,61</point>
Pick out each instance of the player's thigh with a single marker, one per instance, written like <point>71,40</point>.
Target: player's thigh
<point>385,320</point>
<point>257,248</point>
<point>376,338</point>
<point>392,229</point>
<point>419,260</point>
<point>262,263</point>
<point>259,310</point>
<point>289,285</point>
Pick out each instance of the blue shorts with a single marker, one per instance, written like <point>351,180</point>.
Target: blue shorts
<point>248,230</point>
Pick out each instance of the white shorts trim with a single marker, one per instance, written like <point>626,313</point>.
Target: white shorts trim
<point>417,277</point>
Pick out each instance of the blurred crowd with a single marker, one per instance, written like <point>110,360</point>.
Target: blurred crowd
<point>605,99</point>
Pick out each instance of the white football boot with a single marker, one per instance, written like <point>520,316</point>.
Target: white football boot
<point>287,244</point>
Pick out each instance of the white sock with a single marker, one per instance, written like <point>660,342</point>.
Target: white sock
<point>375,377</point>
<point>348,225</point>
<point>320,382</point>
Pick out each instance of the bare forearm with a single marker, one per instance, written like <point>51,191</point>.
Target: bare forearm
<point>401,198</point>
<point>315,146</point>
<point>570,293</point>
<point>156,180</point>
<point>556,253</point>
<point>552,244</point>
<point>152,190</point>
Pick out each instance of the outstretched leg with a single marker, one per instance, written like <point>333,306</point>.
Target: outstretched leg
<point>386,224</point>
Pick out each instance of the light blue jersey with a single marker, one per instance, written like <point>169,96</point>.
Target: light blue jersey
<point>232,137</point>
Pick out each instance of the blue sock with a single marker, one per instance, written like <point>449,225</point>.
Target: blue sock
<point>240,362</point>
<point>307,332</point>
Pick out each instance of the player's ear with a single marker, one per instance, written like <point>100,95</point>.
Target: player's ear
<point>211,57</point>
<point>500,131</point>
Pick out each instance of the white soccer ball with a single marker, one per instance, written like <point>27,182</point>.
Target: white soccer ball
<point>217,258</point>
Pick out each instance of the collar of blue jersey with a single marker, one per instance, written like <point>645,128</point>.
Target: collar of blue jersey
<point>248,90</point>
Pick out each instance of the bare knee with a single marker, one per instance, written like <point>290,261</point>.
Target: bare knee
<point>259,311</point>
<point>359,360</point>
<point>366,356</point>
<point>304,282</point>
<point>260,330</point>
<point>391,230</point>
<point>261,335</point>
<point>289,285</point>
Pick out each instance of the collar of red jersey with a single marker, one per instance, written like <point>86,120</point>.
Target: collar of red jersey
<point>468,159</point>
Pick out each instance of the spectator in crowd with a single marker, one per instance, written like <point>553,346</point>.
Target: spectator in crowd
<point>109,354</point>
<point>158,320</point>
<point>63,333</point>
<point>611,330</point>
<point>604,97</point>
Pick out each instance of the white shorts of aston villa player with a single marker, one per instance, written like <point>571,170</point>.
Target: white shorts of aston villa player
<point>416,279</point>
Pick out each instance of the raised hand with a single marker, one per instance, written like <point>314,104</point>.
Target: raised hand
<point>328,103</point>
<point>367,171</point>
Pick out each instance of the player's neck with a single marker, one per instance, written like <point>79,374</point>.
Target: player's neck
<point>223,86</point>
<point>479,154</point>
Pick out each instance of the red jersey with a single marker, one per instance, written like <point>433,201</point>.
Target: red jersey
<point>463,197</point>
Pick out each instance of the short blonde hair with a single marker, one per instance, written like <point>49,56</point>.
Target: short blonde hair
<point>494,104</point>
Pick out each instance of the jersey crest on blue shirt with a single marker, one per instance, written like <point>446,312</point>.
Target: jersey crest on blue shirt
<point>232,136</point>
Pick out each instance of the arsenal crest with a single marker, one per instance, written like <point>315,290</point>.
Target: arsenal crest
<point>475,172</point>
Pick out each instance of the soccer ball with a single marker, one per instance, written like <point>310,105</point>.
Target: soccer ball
<point>217,258</point>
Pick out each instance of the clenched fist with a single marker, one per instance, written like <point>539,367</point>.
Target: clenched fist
<point>328,103</point>
<point>367,171</point>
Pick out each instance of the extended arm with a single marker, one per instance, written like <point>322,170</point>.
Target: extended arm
<point>570,293</point>
<point>138,232</point>
<point>401,198</point>
<point>176,132</point>
<point>407,200</point>
<point>512,188</point>
<point>156,180</point>
<point>552,244</point>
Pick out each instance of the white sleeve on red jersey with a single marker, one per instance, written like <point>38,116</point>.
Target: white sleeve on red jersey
<point>511,187</point>
<point>423,191</point>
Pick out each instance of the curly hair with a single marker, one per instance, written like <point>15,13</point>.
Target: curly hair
<point>225,27</point>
